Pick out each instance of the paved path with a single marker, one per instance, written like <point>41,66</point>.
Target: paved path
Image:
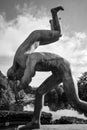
<point>58,127</point>
<point>64,127</point>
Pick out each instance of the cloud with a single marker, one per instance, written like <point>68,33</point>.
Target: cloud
<point>71,46</point>
<point>80,35</point>
<point>32,9</point>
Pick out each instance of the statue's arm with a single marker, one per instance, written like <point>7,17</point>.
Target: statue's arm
<point>30,70</point>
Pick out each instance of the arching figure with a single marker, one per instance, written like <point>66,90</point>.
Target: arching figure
<point>61,73</point>
<point>36,38</point>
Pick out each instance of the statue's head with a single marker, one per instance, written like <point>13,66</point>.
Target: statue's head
<point>15,74</point>
<point>11,74</point>
<point>19,73</point>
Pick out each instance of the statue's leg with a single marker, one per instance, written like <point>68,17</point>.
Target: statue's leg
<point>55,33</point>
<point>51,24</point>
<point>48,36</point>
<point>71,90</point>
<point>46,86</point>
<point>43,36</point>
<point>56,24</point>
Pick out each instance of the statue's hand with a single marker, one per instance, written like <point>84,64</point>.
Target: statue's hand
<point>22,85</point>
<point>18,86</point>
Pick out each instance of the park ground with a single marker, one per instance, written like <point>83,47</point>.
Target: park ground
<point>64,127</point>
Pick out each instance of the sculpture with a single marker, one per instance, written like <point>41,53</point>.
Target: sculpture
<point>25,65</point>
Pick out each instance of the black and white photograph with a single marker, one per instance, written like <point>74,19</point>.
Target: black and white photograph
<point>43,64</point>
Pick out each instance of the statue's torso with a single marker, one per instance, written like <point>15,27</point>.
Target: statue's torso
<point>47,61</point>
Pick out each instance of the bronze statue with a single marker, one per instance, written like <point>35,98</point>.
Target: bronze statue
<point>25,65</point>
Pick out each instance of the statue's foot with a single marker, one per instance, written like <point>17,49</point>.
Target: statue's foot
<point>30,126</point>
<point>55,10</point>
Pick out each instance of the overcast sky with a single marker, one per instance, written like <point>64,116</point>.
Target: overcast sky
<point>18,18</point>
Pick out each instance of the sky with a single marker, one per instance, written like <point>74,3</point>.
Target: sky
<point>18,18</point>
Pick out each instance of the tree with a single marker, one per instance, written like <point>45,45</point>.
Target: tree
<point>82,86</point>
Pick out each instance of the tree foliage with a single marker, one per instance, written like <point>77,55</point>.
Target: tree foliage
<point>82,86</point>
